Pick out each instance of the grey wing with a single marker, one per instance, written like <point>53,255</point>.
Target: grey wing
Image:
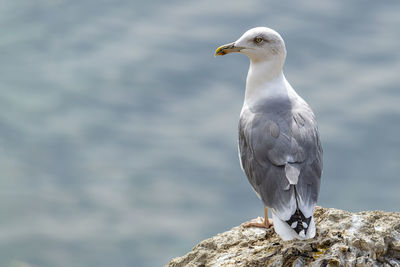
<point>305,131</point>
<point>279,148</point>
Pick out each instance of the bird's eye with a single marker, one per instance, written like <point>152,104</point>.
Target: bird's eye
<point>258,40</point>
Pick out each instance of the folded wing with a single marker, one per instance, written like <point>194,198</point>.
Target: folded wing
<point>281,154</point>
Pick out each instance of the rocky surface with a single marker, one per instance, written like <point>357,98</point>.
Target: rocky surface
<point>343,239</point>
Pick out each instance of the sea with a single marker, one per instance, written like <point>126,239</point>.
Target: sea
<point>118,126</point>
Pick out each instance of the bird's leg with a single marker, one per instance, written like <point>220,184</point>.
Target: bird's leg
<point>267,223</point>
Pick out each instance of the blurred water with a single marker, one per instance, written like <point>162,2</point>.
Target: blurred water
<point>118,128</point>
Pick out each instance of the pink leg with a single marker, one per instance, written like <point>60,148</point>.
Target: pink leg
<point>267,223</point>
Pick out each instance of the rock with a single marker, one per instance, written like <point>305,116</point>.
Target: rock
<point>343,239</point>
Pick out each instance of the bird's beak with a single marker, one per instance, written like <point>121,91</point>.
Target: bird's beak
<point>226,49</point>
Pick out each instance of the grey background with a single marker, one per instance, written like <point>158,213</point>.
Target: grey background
<point>118,127</point>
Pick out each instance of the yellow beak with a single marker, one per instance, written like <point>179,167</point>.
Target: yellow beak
<point>226,49</point>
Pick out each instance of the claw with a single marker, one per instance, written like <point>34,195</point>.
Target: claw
<point>266,222</point>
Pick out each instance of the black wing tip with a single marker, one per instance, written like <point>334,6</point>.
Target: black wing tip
<point>298,222</point>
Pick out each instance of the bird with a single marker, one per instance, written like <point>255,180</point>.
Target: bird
<point>279,145</point>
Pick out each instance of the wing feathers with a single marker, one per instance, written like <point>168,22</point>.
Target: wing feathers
<point>280,147</point>
<point>292,172</point>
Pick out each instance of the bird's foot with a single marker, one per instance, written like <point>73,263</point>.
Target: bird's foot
<point>265,223</point>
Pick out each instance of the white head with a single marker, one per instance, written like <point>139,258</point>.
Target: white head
<point>259,44</point>
<point>267,53</point>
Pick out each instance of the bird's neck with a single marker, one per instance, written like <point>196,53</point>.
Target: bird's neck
<point>265,79</point>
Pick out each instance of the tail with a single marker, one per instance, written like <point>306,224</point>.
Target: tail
<point>298,226</point>
<point>287,232</point>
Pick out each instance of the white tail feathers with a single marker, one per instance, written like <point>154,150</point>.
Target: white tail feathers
<point>286,232</point>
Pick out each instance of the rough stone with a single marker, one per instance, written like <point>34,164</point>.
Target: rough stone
<point>342,239</point>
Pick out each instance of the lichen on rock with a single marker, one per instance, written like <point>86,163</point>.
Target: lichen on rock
<point>343,239</point>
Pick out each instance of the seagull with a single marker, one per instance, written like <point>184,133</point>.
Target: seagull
<point>279,145</point>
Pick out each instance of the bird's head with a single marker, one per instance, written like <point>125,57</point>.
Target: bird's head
<point>259,44</point>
